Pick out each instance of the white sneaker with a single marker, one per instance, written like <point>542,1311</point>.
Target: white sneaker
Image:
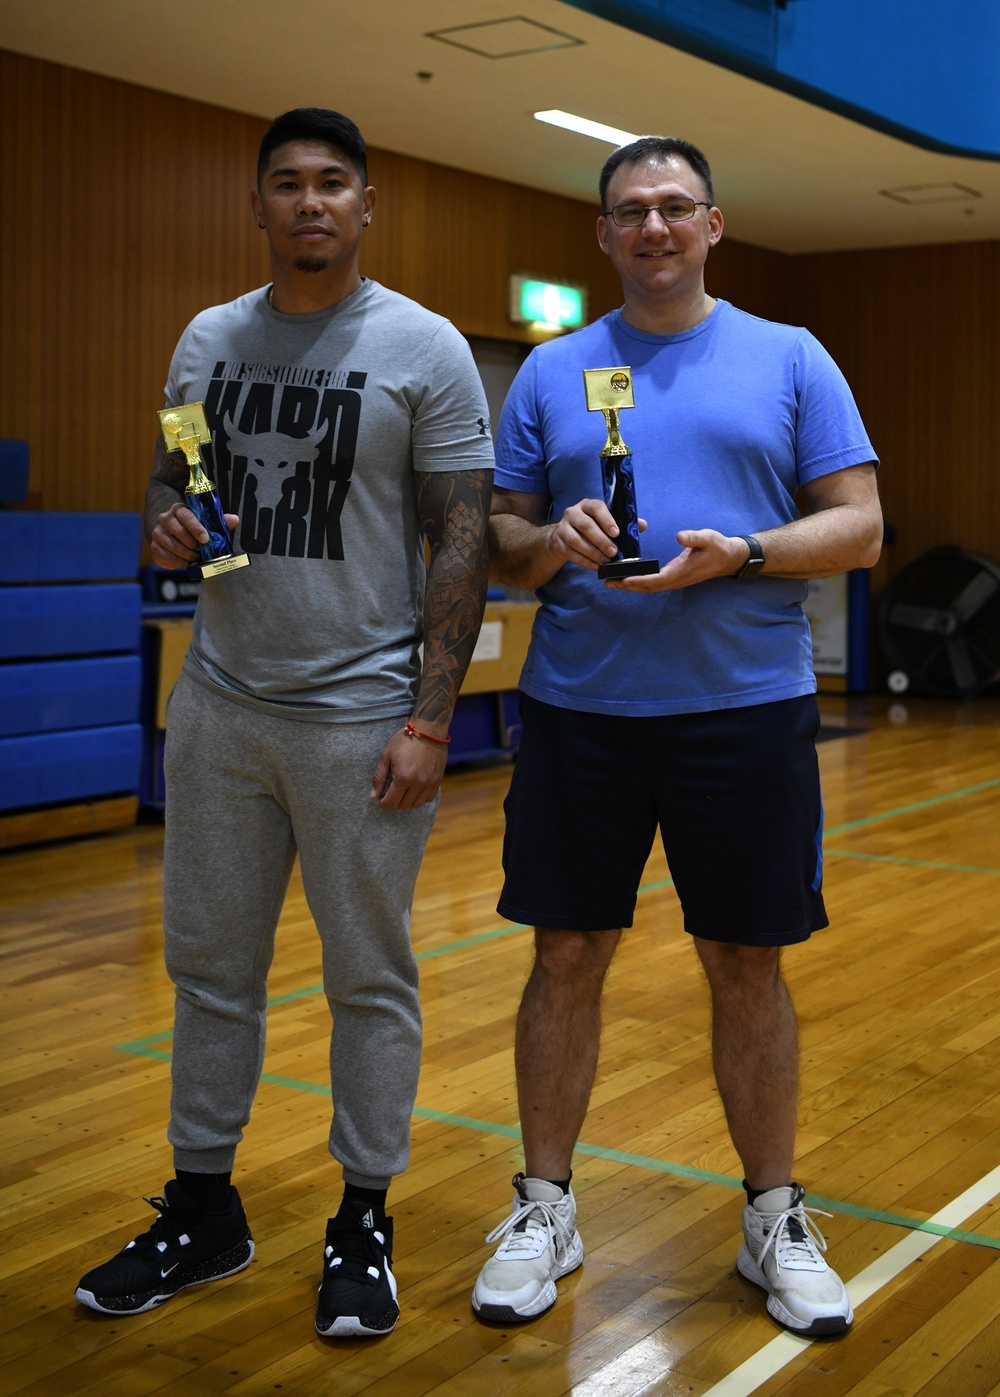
<point>540,1244</point>
<point>781,1253</point>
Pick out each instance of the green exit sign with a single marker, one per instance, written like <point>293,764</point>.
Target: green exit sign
<point>547,303</point>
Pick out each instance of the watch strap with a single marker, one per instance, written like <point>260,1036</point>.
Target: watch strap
<point>754,563</point>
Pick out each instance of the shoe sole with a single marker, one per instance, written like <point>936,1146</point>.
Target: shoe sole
<point>350,1327</point>
<point>823,1326</point>
<point>546,1298</point>
<point>105,1304</point>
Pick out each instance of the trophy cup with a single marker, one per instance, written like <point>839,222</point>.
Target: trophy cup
<point>184,429</point>
<point>608,391</point>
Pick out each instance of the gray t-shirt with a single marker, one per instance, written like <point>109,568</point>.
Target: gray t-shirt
<point>318,423</point>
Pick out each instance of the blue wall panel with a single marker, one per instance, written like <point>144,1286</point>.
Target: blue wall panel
<point>65,766</point>
<point>918,69</point>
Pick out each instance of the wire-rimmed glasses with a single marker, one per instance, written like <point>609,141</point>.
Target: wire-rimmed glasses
<point>634,215</point>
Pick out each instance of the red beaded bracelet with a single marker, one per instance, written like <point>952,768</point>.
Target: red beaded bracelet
<point>411,731</point>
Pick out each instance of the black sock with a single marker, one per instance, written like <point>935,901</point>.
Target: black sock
<point>754,1193</point>
<point>561,1183</point>
<point>357,1201</point>
<point>209,1191</point>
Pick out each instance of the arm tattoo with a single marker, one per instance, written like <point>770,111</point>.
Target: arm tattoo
<point>166,484</point>
<point>452,507</point>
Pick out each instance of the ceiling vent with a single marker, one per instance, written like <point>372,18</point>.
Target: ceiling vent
<point>932,194</point>
<point>505,38</point>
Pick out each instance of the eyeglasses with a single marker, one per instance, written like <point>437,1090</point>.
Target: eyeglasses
<point>671,211</point>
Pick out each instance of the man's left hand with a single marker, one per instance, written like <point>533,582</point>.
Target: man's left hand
<point>707,554</point>
<point>409,772</point>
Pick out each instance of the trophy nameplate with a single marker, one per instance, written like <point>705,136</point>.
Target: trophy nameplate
<point>185,429</point>
<point>608,391</point>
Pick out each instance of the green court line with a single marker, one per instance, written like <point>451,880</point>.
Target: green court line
<point>295,994</point>
<point>140,1048</point>
<point>912,863</point>
<point>470,941</point>
<point>146,1047</point>
<point>497,932</point>
<point>911,809</point>
<point>450,946</point>
<point>687,1171</point>
<point>669,882</point>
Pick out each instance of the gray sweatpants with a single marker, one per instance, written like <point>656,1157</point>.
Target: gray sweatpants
<point>245,789</point>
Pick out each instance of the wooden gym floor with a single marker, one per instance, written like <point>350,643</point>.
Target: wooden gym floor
<point>899,1005</point>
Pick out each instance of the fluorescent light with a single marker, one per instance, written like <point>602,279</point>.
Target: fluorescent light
<point>585,127</point>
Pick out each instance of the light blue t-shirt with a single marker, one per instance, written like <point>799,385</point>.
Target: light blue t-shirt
<point>730,419</point>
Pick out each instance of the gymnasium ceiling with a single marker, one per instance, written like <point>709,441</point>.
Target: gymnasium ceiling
<point>789,176</point>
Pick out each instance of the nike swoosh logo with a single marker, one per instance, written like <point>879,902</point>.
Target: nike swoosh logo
<point>166,1273</point>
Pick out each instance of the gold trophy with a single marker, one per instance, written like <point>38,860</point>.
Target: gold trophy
<point>184,429</point>
<point>608,391</point>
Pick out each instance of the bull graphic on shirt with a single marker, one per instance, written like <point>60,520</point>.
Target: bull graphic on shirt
<point>302,425</point>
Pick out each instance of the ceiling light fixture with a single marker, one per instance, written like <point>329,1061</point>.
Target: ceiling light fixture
<point>584,127</point>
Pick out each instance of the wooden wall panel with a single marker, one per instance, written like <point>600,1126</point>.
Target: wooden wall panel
<point>104,259</point>
<point>127,212</point>
<point>450,239</point>
<point>752,278</point>
<point>916,332</point>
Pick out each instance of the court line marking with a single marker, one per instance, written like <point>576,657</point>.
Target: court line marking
<point>144,1047</point>
<point>497,932</point>
<point>911,863</point>
<point>912,809</point>
<point>777,1354</point>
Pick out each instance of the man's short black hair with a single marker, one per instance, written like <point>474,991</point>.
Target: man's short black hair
<point>314,124</point>
<point>656,148</point>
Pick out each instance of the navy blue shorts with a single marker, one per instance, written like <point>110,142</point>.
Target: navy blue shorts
<point>735,794</point>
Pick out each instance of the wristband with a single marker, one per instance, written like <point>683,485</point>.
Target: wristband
<point>411,731</point>
<point>754,563</point>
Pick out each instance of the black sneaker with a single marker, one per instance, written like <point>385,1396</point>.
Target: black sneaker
<point>183,1247</point>
<point>358,1292</point>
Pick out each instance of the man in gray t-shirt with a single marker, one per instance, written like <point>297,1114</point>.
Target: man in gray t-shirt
<point>351,449</point>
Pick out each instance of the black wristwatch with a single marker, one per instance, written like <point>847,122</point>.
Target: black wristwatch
<point>754,563</point>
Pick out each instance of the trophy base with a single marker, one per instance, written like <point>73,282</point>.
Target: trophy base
<point>628,567</point>
<point>219,566</point>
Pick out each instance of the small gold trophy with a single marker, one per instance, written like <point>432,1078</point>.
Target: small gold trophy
<point>608,391</point>
<point>184,429</point>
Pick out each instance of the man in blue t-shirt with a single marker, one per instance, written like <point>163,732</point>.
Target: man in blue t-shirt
<point>681,700</point>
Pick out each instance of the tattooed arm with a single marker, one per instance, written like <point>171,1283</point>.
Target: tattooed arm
<point>173,531</point>
<point>453,507</point>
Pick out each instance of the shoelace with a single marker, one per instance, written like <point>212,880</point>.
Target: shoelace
<point>793,1236</point>
<point>360,1246</point>
<point>165,1232</point>
<point>516,1227</point>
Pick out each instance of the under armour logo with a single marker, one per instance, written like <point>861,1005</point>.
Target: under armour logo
<point>483,426</point>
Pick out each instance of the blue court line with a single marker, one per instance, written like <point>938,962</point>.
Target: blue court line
<point>140,1048</point>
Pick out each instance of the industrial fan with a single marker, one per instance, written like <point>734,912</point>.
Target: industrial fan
<point>939,624</point>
